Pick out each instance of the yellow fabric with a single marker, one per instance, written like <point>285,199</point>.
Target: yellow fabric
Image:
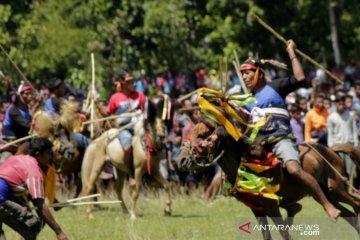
<point>211,109</point>
<point>230,128</point>
<point>164,113</point>
<point>258,168</point>
<point>50,184</point>
<point>234,114</point>
<point>252,184</point>
<point>207,90</point>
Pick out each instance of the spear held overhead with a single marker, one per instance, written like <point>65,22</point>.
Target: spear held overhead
<point>17,68</point>
<point>281,38</point>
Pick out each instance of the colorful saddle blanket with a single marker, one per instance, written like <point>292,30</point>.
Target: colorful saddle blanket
<point>257,181</point>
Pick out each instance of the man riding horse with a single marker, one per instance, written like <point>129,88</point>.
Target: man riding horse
<point>125,99</point>
<point>270,98</point>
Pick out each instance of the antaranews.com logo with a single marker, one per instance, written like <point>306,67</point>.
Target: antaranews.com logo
<point>303,228</point>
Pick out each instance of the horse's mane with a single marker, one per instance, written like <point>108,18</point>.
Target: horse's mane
<point>69,119</point>
<point>45,125</point>
<point>156,108</point>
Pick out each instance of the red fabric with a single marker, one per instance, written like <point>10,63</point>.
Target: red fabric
<point>135,100</point>
<point>24,171</point>
<point>270,160</point>
<point>26,88</point>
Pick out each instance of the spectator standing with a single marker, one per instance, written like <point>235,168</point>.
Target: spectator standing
<point>316,122</point>
<point>297,124</point>
<point>342,128</point>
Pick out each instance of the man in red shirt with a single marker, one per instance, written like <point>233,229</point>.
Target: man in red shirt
<point>21,175</point>
<point>126,99</point>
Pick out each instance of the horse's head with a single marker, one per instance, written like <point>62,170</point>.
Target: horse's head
<point>158,114</point>
<point>202,145</point>
<point>58,129</point>
<point>64,144</point>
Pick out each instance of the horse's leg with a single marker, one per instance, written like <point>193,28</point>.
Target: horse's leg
<point>78,184</point>
<point>349,217</point>
<point>162,183</point>
<point>274,213</point>
<point>119,185</point>
<point>292,210</point>
<point>339,194</point>
<point>262,220</point>
<point>89,177</point>
<point>136,192</point>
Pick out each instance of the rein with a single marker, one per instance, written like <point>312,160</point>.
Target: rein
<point>150,148</point>
<point>343,178</point>
<point>195,151</point>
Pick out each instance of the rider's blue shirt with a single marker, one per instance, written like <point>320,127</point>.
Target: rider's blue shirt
<point>17,122</point>
<point>271,100</point>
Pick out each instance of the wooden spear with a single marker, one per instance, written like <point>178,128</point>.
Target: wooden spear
<point>236,64</point>
<point>16,67</point>
<point>123,115</point>
<point>281,38</point>
<point>92,110</point>
<point>66,204</point>
<point>16,141</point>
<point>186,96</point>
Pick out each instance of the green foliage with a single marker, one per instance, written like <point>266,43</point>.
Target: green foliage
<point>56,37</point>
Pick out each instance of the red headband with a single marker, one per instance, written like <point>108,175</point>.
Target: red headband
<point>26,88</point>
<point>249,66</point>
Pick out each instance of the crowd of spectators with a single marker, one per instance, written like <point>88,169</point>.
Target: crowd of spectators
<point>322,110</point>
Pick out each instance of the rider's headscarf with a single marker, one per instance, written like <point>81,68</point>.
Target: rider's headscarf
<point>21,89</point>
<point>256,65</point>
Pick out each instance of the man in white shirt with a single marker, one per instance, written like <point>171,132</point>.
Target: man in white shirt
<point>342,128</point>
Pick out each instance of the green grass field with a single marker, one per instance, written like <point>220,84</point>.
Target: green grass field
<point>192,218</point>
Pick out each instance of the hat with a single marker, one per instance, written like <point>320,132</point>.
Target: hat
<point>125,76</point>
<point>54,83</point>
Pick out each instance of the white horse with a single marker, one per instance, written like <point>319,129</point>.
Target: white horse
<point>148,146</point>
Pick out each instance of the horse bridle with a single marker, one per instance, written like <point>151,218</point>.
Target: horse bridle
<point>195,152</point>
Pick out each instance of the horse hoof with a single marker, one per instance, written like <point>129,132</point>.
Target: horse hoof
<point>133,218</point>
<point>90,216</point>
<point>167,213</point>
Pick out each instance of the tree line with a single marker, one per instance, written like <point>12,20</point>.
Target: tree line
<point>50,38</point>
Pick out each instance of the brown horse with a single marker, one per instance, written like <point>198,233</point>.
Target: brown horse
<point>199,150</point>
<point>148,145</point>
<point>59,129</point>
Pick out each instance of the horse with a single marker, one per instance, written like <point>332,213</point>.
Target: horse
<point>148,146</point>
<point>200,150</point>
<point>59,129</point>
